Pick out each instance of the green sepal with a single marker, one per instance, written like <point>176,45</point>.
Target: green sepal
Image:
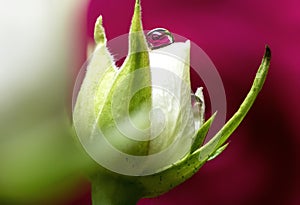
<point>119,86</point>
<point>218,152</point>
<point>99,34</point>
<point>218,140</point>
<point>201,133</point>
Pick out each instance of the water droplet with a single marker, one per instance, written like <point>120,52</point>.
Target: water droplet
<point>159,37</point>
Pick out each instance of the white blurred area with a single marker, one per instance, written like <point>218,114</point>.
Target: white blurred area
<point>40,42</point>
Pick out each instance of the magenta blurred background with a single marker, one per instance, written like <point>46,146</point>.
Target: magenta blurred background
<point>261,165</point>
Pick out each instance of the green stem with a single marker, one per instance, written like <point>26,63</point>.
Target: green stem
<point>110,190</point>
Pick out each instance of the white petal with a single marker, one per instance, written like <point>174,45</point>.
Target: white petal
<point>171,95</point>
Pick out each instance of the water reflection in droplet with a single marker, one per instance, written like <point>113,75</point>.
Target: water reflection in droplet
<point>159,37</point>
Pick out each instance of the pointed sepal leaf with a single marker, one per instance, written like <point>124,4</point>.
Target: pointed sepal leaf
<point>201,133</point>
<point>218,152</point>
<point>219,139</point>
<point>131,87</point>
<point>99,34</point>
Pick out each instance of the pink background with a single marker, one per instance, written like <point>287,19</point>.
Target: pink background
<point>261,165</point>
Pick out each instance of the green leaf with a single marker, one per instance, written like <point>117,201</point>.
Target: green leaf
<point>201,133</point>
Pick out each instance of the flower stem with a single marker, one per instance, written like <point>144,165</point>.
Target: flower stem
<point>110,190</point>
